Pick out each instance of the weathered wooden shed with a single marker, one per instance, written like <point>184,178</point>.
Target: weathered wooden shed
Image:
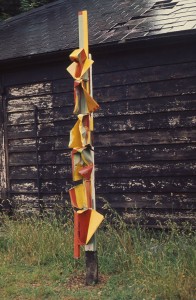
<point>145,82</point>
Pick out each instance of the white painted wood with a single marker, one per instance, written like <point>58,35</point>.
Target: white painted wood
<point>92,246</point>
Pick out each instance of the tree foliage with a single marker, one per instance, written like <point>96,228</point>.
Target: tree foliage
<point>9,8</point>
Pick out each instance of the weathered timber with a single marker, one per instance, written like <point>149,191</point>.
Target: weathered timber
<point>135,76</point>
<point>112,123</point>
<point>177,201</point>
<point>2,154</point>
<point>24,186</point>
<point>22,159</point>
<point>124,155</point>
<point>150,184</point>
<point>145,136</point>
<point>144,90</point>
<point>27,104</point>
<point>18,115</point>
<point>121,138</point>
<point>44,74</point>
<point>178,103</point>
<point>22,145</point>
<point>145,74</point>
<point>29,90</point>
<point>148,201</point>
<point>116,154</point>
<point>133,154</point>
<point>148,137</point>
<point>144,58</point>
<point>142,169</point>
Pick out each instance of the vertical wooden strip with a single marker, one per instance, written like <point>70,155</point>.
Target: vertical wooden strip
<point>83,31</point>
<point>90,249</point>
<point>83,40</point>
<point>76,236</point>
<point>3,182</point>
<point>83,43</point>
<point>5,147</point>
<point>37,161</point>
<point>92,246</point>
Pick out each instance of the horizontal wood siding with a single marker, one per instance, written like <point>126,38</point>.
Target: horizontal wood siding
<point>1,148</point>
<point>145,133</point>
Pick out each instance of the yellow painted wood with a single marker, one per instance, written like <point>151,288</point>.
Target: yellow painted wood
<point>72,69</point>
<point>95,220</point>
<point>81,196</point>
<point>75,137</point>
<point>83,40</point>
<point>80,135</point>
<point>83,31</point>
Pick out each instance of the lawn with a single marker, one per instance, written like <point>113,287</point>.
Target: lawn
<point>37,262</point>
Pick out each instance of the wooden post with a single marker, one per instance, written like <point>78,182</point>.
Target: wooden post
<point>90,249</point>
<point>86,218</point>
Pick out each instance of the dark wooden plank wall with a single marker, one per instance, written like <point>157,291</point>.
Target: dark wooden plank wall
<point>1,145</point>
<point>145,133</point>
<point>4,201</point>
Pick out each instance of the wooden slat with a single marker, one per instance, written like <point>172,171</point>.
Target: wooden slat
<point>167,87</point>
<point>179,201</point>
<point>179,104</point>
<point>145,90</point>
<point>23,172</point>
<point>153,56</point>
<point>125,185</point>
<point>146,121</point>
<point>147,74</point>
<point>134,76</point>
<point>146,153</point>
<point>116,154</point>
<point>143,169</point>
<point>29,90</point>
<point>20,159</point>
<point>24,186</point>
<point>151,104</point>
<point>30,74</point>
<point>159,137</point>
<point>23,145</point>
<point>149,137</point>
<point>150,184</point>
<point>112,123</point>
<point>29,103</point>
<point>23,131</point>
<point>135,202</point>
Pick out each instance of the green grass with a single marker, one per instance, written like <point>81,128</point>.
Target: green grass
<point>37,262</point>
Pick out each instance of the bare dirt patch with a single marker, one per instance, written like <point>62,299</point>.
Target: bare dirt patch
<point>78,281</point>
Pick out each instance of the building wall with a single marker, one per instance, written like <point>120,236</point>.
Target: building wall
<point>4,201</point>
<point>145,135</point>
<point>1,144</point>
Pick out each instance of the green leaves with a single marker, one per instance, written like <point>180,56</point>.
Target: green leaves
<point>26,5</point>
<point>9,8</point>
<point>14,7</point>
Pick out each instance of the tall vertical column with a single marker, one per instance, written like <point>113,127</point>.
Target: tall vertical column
<point>86,218</point>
